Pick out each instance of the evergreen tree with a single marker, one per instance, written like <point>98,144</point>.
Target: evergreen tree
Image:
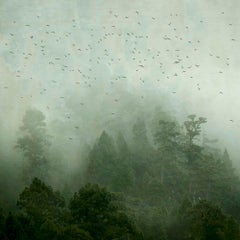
<point>94,209</point>
<point>123,174</point>
<point>102,161</point>
<point>34,143</point>
<point>40,203</point>
<point>167,143</point>
<point>142,153</point>
<point>13,230</point>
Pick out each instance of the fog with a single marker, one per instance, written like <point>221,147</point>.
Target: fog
<point>95,65</point>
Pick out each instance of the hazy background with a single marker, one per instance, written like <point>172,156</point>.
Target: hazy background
<point>91,65</point>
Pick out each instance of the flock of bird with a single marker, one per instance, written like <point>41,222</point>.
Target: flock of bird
<point>134,50</point>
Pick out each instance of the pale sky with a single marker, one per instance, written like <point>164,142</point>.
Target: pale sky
<point>79,58</point>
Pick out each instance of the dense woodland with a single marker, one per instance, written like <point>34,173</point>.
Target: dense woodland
<point>166,181</point>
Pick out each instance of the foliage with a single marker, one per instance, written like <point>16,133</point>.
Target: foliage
<point>34,143</point>
<point>94,210</point>
<point>166,186</point>
<point>93,213</point>
<point>209,222</point>
<point>41,203</point>
<point>102,154</point>
<point>193,127</point>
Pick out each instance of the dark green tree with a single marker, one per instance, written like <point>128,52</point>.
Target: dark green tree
<point>13,229</point>
<point>41,203</point>
<point>142,153</point>
<point>167,141</point>
<point>102,161</point>
<point>202,221</point>
<point>95,210</point>
<point>208,222</point>
<point>123,173</point>
<point>73,232</point>
<point>2,225</point>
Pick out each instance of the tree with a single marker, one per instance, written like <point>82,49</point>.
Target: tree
<point>94,210</point>
<point>102,161</point>
<point>202,221</point>
<point>13,229</point>
<point>2,225</point>
<point>166,139</point>
<point>73,232</point>
<point>193,129</point>
<point>142,151</point>
<point>210,223</point>
<point>123,173</point>
<point>40,203</point>
<point>34,143</point>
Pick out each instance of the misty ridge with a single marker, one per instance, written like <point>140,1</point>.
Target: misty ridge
<point>147,178</point>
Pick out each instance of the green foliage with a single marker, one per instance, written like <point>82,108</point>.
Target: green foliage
<point>73,232</point>
<point>48,229</point>
<point>151,178</point>
<point>202,221</point>
<point>167,139</point>
<point>102,154</point>
<point>2,223</point>
<point>13,229</point>
<point>167,136</point>
<point>161,177</point>
<point>94,210</point>
<point>94,213</point>
<point>210,223</point>
<point>40,202</point>
<point>124,178</point>
<point>117,173</point>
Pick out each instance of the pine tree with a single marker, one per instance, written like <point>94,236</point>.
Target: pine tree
<point>34,144</point>
<point>102,161</point>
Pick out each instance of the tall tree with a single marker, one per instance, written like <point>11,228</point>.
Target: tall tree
<point>142,151</point>
<point>167,141</point>
<point>193,127</point>
<point>40,202</point>
<point>34,143</point>
<point>96,211</point>
<point>102,161</point>
<point>193,130</point>
<point>124,174</point>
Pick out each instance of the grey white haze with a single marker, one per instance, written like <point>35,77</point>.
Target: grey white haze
<point>87,63</point>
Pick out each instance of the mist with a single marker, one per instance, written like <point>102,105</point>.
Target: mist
<point>91,59</point>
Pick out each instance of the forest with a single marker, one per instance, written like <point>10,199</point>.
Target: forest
<point>119,120</point>
<point>166,181</point>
